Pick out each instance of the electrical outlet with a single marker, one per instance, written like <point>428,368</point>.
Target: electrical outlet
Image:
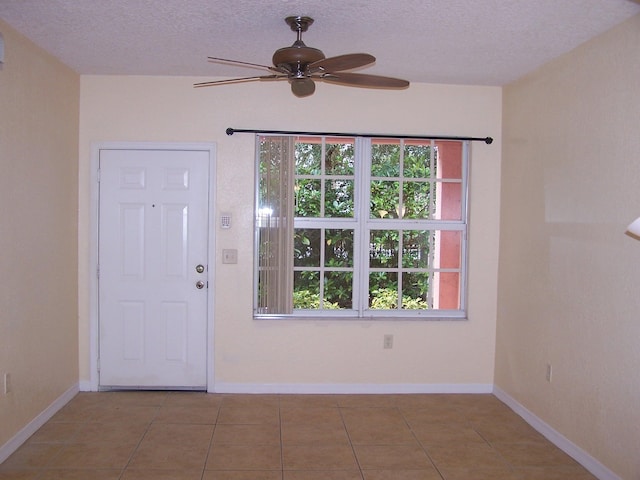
<point>6,384</point>
<point>549,375</point>
<point>388,341</point>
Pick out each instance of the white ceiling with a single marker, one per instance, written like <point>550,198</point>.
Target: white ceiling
<point>477,42</point>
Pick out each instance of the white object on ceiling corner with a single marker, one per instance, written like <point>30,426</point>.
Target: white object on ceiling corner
<point>634,227</point>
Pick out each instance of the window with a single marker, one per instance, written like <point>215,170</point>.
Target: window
<point>360,227</point>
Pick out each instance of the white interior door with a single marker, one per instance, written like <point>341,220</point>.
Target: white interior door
<point>153,275</point>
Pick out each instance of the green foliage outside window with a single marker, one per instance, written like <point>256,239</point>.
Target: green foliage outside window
<point>327,190</point>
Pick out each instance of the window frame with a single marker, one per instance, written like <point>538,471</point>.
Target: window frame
<point>362,226</point>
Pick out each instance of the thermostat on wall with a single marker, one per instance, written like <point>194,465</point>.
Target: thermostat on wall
<point>225,220</point>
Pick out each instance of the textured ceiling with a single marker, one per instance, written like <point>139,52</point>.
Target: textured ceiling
<point>478,42</point>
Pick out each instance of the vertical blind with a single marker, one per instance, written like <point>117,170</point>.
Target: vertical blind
<point>275,204</point>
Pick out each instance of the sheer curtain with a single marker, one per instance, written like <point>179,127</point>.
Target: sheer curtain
<point>274,235</point>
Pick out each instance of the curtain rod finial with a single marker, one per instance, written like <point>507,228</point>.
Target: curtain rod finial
<point>229,131</point>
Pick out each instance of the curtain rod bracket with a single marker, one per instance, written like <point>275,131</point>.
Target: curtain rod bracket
<point>230,131</point>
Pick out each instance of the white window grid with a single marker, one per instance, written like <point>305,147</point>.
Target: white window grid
<point>362,228</point>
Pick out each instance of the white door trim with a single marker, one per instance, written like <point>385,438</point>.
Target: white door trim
<point>93,249</point>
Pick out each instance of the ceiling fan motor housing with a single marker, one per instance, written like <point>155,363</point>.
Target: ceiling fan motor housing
<point>296,58</point>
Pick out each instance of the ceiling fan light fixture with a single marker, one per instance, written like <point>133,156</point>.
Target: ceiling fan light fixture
<point>302,87</point>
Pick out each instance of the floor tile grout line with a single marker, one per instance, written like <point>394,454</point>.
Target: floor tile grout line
<point>424,449</point>
<point>280,433</point>
<point>49,464</point>
<point>210,448</point>
<point>353,449</point>
<point>146,431</point>
<point>509,465</point>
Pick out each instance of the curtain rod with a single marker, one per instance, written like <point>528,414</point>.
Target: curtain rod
<point>487,140</point>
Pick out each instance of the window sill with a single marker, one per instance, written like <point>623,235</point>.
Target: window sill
<point>395,317</point>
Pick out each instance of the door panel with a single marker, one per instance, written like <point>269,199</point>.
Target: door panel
<point>153,232</point>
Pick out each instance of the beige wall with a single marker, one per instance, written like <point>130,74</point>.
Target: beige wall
<point>569,276</point>
<point>39,106</point>
<point>299,353</point>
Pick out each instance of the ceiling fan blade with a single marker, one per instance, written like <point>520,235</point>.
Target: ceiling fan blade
<point>302,87</point>
<point>238,80</point>
<point>363,80</point>
<point>248,64</point>
<point>341,62</point>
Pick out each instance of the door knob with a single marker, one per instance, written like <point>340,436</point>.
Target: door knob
<point>199,284</point>
<point>200,268</point>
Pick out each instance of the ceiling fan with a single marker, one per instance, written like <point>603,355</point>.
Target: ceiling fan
<point>302,66</point>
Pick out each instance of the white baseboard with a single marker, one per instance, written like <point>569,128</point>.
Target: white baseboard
<point>87,386</point>
<point>555,437</point>
<point>339,388</point>
<point>23,435</point>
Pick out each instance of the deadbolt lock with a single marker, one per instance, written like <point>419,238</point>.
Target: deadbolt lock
<point>200,268</point>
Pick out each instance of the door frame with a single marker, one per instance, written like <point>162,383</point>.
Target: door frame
<point>94,340</point>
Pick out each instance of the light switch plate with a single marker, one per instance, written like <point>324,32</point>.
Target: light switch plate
<point>230,255</point>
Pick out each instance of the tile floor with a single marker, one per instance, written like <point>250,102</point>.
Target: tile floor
<point>198,436</point>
